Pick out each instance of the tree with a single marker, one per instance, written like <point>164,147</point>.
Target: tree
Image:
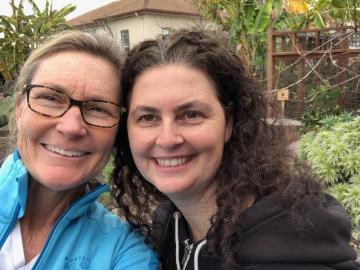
<point>247,21</point>
<point>21,33</point>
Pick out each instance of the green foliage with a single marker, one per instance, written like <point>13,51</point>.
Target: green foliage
<point>247,21</point>
<point>320,107</point>
<point>333,152</point>
<point>3,120</point>
<point>5,107</point>
<point>106,172</point>
<point>106,198</point>
<point>21,33</point>
<point>344,11</point>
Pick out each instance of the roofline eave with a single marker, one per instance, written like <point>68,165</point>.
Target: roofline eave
<point>137,13</point>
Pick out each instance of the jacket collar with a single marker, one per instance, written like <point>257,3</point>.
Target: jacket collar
<point>14,186</point>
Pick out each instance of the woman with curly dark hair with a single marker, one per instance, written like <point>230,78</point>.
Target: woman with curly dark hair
<point>197,147</point>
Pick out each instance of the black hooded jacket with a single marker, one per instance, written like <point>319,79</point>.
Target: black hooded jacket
<point>267,239</point>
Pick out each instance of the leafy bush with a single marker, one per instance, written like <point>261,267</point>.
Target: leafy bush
<point>5,107</point>
<point>9,88</point>
<point>3,120</point>
<point>334,154</point>
<point>106,198</point>
<point>321,104</point>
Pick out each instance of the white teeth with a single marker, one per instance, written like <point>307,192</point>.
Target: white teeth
<point>64,152</point>
<point>172,162</point>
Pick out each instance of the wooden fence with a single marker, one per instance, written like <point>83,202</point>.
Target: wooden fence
<point>332,45</point>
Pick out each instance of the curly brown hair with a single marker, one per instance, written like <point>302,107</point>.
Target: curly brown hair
<point>252,163</point>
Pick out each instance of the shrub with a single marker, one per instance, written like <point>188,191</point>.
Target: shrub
<point>3,120</point>
<point>106,198</point>
<point>5,107</point>
<point>321,104</point>
<point>334,155</point>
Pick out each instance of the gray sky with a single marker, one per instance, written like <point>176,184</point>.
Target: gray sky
<point>82,6</point>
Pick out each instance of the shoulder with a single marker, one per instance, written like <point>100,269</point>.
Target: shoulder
<point>105,220</point>
<point>163,212</point>
<point>316,211</point>
<point>318,230</point>
<point>117,236</point>
<point>321,210</point>
<point>161,227</point>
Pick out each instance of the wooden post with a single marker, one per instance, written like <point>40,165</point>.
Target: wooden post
<point>317,39</point>
<point>282,96</point>
<point>270,70</point>
<point>293,42</point>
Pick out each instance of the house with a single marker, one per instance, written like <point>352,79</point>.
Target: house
<point>132,21</point>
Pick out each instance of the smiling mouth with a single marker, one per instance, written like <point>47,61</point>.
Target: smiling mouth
<point>64,152</point>
<point>173,162</point>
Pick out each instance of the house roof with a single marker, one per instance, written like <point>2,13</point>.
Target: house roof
<point>125,8</point>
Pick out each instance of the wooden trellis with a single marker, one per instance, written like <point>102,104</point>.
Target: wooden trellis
<point>299,46</point>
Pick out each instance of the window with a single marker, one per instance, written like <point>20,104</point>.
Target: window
<point>125,43</point>
<point>165,31</point>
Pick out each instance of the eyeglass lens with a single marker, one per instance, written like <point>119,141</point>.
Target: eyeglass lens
<point>54,103</point>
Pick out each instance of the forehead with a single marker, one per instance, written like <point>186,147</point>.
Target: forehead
<point>79,74</point>
<point>173,82</point>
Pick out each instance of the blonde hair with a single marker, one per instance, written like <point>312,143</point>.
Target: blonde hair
<point>96,44</point>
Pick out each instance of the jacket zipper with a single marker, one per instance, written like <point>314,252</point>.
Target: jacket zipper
<point>46,245</point>
<point>11,225</point>
<point>187,253</point>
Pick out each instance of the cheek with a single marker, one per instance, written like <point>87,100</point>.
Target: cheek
<point>208,137</point>
<point>105,142</point>
<point>137,139</point>
<point>21,142</point>
<point>26,129</point>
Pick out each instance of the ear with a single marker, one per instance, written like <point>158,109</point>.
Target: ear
<point>228,129</point>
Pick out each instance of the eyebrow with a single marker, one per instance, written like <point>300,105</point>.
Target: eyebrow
<point>65,91</point>
<point>191,104</point>
<point>143,108</point>
<point>180,108</point>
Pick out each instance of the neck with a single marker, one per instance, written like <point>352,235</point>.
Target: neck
<point>197,212</point>
<point>44,206</point>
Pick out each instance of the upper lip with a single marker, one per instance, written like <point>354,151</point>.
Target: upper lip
<point>173,157</point>
<point>70,149</point>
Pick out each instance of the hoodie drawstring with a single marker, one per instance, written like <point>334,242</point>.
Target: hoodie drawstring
<point>177,216</point>
<point>177,248</point>
<point>197,252</point>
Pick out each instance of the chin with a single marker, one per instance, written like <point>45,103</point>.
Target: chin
<point>172,190</point>
<point>61,182</point>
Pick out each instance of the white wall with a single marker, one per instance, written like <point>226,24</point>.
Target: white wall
<point>145,26</point>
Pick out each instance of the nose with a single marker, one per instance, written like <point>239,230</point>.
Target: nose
<point>169,136</point>
<point>71,124</point>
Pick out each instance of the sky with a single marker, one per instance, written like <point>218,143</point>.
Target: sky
<point>82,6</point>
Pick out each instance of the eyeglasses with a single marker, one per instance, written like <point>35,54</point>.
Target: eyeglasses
<point>50,102</point>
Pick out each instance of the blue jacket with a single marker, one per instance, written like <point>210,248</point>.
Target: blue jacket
<point>86,236</point>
